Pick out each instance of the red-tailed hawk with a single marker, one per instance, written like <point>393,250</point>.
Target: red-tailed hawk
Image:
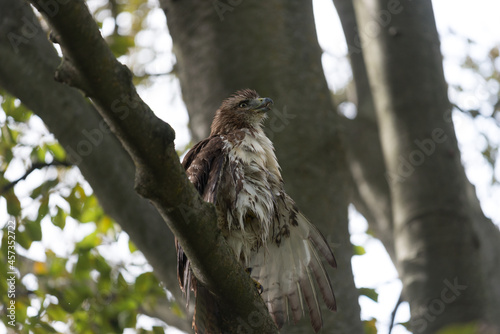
<point>236,170</point>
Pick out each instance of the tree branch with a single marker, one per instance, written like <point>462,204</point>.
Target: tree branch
<point>89,65</point>
<point>371,196</point>
<point>35,166</point>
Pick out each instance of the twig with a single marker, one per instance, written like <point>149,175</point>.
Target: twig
<point>35,166</point>
<point>393,314</point>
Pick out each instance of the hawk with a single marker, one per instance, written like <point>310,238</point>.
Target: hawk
<point>236,169</point>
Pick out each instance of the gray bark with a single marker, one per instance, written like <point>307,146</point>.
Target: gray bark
<point>371,195</point>
<point>447,251</point>
<point>272,47</point>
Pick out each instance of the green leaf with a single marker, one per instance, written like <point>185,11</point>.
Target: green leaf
<point>405,324</point>
<point>131,246</point>
<point>75,201</point>
<point>21,310</point>
<point>469,328</point>
<point>370,293</point>
<point>13,204</point>
<point>144,281</point>
<point>127,319</point>
<point>57,265</point>
<point>23,239</point>
<point>41,327</point>
<point>70,299</point>
<point>57,151</point>
<point>120,44</point>
<point>19,113</point>
<point>370,326</point>
<point>102,266</point>
<point>121,282</point>
<point>91,211</point>
<point>83,266</point>
<point>43,209</point>
<point>104,284</point>
<point>56,313</point>
<point>90,241</point>
<point>44,188</point>
<point>14,134</point>
<point>104,223</point>
<point>158,330</point>
<point>359,250</point>
<point>38,154</point>
<point>177,310</point>
<point>34,230</point>
<point>59,219</point>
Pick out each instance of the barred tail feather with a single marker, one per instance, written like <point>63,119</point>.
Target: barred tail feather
<point>312,302</point>
<point>287,271</point>
<point>324,284</point>
<point>295,303</point>
<point>206,319</point>
<point>319,242</point>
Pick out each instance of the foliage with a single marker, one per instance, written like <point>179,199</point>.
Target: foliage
<point>77,289</point>
<point>82,288</point>
<point>369,326</point>
<point>478,99</point>
<point>469,328</point>
<point>127,28</point>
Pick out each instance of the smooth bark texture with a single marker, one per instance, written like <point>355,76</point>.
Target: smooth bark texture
<point>440,235</point>
<point>272,47</point>
<point>371,195</point>
<point>89,65</point>
<point>27,67</point>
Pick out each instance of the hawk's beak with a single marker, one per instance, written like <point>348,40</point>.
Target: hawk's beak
<point>263,104</point>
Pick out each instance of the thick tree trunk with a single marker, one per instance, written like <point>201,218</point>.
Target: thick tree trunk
<point>447,252</point>
<point>272,47</point>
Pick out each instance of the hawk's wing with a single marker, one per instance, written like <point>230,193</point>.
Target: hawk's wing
<point>203,164</point>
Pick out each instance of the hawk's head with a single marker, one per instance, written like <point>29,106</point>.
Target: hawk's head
<point>244,109</point>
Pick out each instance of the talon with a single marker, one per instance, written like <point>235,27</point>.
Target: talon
<point>259,286</point>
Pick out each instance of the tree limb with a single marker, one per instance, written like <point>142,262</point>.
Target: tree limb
<point>89,65</point>
<point>371,196</point>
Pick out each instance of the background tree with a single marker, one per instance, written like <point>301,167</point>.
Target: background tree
<point>220,47</point>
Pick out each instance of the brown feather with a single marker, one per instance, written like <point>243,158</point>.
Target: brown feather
<point>312,303</point>
<point>324,284</point>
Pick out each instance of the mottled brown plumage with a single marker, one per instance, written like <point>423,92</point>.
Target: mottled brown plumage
<point>236,169</point>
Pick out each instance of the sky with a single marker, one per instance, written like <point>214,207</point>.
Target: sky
<point>455,19</point>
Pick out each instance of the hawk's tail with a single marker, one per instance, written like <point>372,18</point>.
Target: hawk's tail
<point>289,272</point>
<point>206,313</point>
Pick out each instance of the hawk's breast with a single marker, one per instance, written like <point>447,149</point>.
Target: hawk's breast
<point>250,185</point>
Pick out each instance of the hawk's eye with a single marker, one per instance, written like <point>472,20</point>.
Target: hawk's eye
<point>243,105</point>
